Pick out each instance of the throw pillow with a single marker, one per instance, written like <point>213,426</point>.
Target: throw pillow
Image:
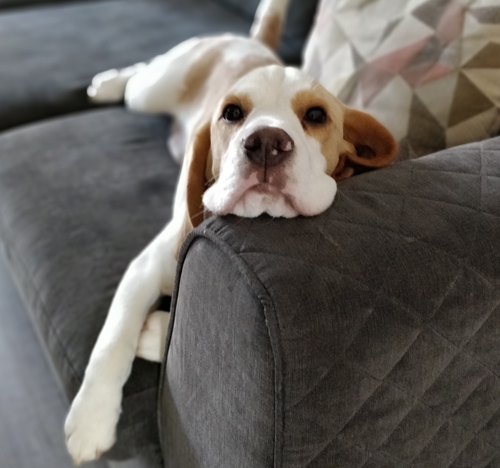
<point>427,69</point>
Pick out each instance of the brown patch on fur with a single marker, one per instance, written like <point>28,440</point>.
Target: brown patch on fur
<point>196,182</point>
<point>224,131</point>
<point>242,100</point>
<point>198,74</point>
<point>269,32</point>
<point>328,133</point>
<point>365,142</point>
<point>369,143</point>
<point>342,171</point>
<point>196,159</point>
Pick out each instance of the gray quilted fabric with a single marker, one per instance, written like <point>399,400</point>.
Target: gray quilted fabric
<point>377,326</point>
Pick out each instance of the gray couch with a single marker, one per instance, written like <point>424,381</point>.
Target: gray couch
<point>367,336</point>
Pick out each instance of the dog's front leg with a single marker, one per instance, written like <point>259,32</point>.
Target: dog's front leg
<point>91,423</point>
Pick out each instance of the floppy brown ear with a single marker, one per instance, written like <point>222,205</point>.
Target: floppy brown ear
<point>196,179</point>
<point>195,160</point>
<point>367,145</point>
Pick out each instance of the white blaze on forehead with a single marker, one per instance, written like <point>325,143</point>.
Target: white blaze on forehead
<point>273,86</point>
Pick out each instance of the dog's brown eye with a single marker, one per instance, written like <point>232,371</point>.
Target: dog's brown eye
<point>316,115</point>
<point>232,113</point>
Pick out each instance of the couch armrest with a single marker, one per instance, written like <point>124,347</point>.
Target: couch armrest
<point>220,390</point>
<point>368,335</point>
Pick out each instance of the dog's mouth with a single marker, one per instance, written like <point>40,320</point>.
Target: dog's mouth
<point>266,188</point>
<point>267,182</point>
<point>269,193</point>
<point>253,195</point>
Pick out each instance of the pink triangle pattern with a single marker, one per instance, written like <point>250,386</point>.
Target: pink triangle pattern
<point>438,71</point>
<point>451,24</point>
<point>372,81</point>
<point>425,73</point>
<point>396,61</point>
<point>378,73</point>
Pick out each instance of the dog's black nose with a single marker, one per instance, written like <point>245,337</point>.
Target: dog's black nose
<point>268,146</point>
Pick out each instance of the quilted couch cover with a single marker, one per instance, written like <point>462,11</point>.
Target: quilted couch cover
<point>367,337</point>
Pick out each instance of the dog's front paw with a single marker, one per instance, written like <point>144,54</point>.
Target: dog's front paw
<point>90,427</point>
<point>151,344</point>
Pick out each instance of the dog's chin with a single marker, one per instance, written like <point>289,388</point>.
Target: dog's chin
<point>264,198</point>
<point>248,199</point>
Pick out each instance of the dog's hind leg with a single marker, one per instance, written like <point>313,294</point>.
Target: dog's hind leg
<point>158,76</point>
<point>157,87</point>
<point>109,87</point>
<point>153,337</point>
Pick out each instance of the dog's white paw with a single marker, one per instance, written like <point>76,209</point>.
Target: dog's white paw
<point>90,426</point>
<point>109,86</point>
<point>151,344</point>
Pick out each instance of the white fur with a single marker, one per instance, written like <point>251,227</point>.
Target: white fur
<point>152,340</point>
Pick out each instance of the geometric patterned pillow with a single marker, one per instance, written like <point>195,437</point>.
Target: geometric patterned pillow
<point>429,70</point>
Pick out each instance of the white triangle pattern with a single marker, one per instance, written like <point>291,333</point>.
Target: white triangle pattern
<point>394,113</point>
<point>340,68</point>
<point>407,32</point>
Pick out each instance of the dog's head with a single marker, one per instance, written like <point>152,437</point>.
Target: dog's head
<point>276,144</point>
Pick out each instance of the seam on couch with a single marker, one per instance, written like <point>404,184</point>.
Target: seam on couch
<point>358,282</point>
<point>419,197</point>
<point>271,321</point>
<point>482,174</point>
<point>460,260</point>
<point>446,417</point>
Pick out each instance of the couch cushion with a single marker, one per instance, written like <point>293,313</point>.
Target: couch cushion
<point>79,198</point>
<point>366,336</point>
<point>50,54</point>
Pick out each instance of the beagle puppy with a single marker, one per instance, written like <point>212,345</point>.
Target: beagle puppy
<point>254,137</point>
